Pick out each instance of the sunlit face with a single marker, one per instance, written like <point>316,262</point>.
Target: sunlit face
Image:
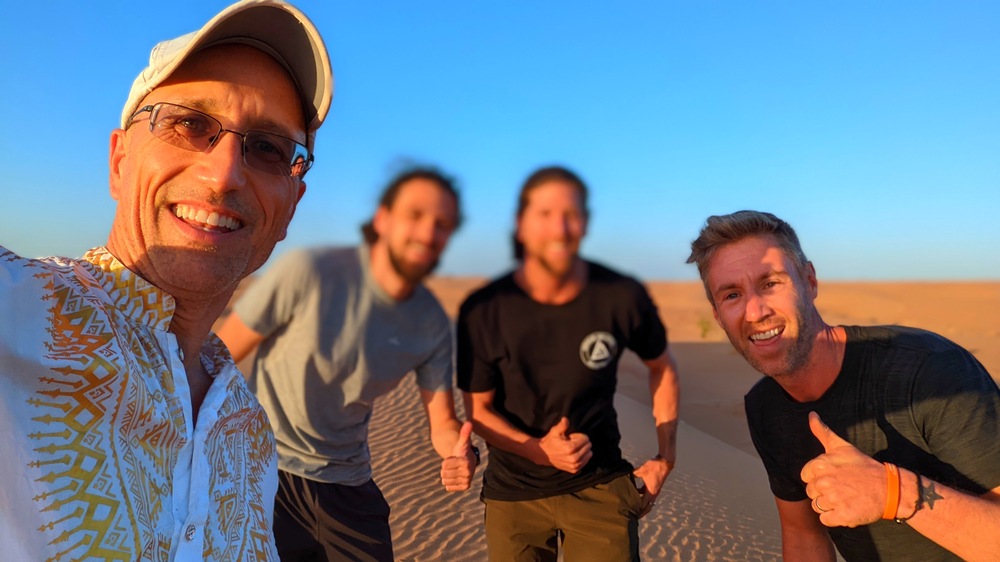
<point>552,226</point>
<point>764,304</point>
<point>195,223</point>
<point>416,229</point>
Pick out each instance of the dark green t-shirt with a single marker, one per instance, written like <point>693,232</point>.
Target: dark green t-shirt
<point>905,396</point>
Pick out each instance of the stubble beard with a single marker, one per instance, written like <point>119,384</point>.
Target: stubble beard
<point>798,353</point>
<point>558,270</point>
<point>201,272</point>
<point>411,273</point>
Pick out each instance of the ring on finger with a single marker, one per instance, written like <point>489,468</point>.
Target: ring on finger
<point>818,507</point>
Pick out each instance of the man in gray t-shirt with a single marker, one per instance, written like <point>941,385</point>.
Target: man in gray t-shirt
<point>334,329</point>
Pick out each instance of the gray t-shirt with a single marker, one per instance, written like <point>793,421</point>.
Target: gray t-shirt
<point>333,342</point>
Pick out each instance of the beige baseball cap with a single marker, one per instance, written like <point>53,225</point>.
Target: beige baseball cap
<point>273,26</point>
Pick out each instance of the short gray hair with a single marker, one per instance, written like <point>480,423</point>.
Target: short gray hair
<point>721,230</point>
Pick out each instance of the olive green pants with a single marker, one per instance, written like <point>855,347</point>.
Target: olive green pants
<point>598,524</point>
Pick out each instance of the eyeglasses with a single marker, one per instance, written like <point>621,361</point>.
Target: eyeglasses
<point>191,129</point>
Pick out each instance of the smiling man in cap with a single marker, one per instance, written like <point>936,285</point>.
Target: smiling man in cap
<point>129,434</point>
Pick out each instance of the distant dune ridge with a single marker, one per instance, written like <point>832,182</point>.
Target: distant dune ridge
<point>716,505</point>
<point>961,311</point>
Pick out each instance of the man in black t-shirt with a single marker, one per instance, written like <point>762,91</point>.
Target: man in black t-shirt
<point>538,351</point>
<point>907,464</point>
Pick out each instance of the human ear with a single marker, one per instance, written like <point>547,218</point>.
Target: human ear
<point>291,209</point>
<point>116,157</point>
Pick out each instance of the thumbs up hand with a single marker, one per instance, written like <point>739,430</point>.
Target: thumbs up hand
<point>458,469</point>
<point>566,451</point>
<point>846,486</point>
<point>463,446</point>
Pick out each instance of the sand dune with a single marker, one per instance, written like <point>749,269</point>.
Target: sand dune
<point>716,505</point>
<point>960,311</point>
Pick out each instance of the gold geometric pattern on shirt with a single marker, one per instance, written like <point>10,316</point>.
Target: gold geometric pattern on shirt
<point>238,470</point>
<point>111,428</point>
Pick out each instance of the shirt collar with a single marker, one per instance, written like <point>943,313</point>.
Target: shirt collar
<point>137,298</point>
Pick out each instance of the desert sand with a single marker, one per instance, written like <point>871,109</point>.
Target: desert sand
<point>716,505</point>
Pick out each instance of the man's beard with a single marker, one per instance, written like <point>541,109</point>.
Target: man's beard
<point>410,272</point>
<point>560,270</point>
<point>797,355</point>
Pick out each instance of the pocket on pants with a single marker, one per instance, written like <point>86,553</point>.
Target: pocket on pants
<point>630,499</point>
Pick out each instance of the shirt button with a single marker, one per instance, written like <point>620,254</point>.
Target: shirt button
<point>189,533</point>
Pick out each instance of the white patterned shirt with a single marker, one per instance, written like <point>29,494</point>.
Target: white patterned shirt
<point>99,458</point>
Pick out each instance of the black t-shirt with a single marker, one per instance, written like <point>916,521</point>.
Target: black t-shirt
<point>905,396</point>
<point>549,361</point>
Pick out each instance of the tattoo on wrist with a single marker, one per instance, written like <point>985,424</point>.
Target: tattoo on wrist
<point>928,494</point>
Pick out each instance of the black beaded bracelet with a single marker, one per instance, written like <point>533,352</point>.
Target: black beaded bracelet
<point>917,504</point>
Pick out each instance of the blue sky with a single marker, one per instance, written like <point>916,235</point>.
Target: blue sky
<point>873,127</point>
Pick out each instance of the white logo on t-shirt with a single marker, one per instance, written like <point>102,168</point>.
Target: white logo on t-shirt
<point>598,349</point>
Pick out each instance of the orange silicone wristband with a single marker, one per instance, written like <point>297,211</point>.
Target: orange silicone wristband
<point>892,491</point>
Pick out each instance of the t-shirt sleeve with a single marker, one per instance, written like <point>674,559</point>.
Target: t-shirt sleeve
<point>649,336</point>
<point>475,370</point>
<point>956,406</point>
<point>270,300</point>
<point>436,373</point>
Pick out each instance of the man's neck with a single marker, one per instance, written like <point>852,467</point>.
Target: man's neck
<point>191,325</point>
<point>192,322</point>
<point>811,382</point>
<point>386,276</point>
<point>548,287</point>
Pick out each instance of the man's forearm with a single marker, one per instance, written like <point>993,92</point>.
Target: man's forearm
<point>443,438</point>
<point>803,537</point>
<point>799,548</point>
<point>665,391</point>
<point>666,437</point>
<point>444,425</point>
<point>498,432</point>
<point>966,525</point>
